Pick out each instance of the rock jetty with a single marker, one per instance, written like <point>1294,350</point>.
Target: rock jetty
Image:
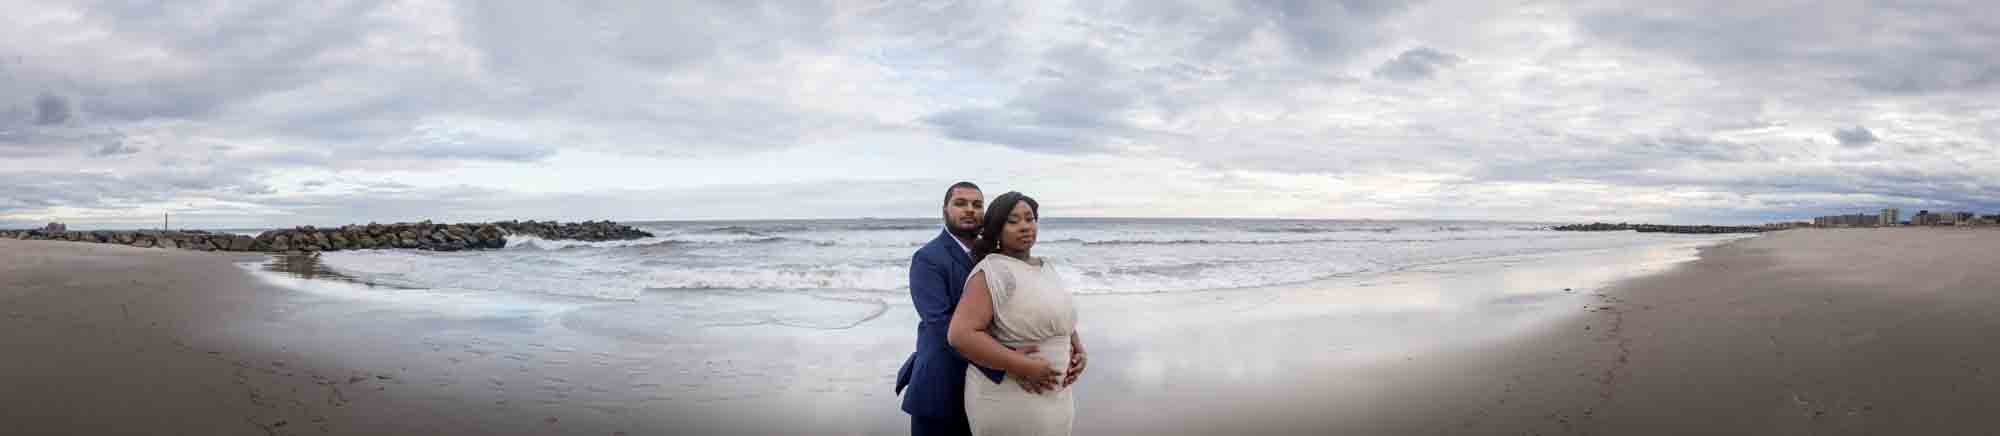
<point>417,236</point>
<point>1658,228</point>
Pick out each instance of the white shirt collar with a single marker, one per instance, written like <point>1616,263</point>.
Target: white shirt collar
<point>954,238</point>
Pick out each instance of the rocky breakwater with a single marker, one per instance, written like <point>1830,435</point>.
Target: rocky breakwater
<point>190,239</point>
<point>418,236</point>
<point>583,231</point>
<point>1658,228</point>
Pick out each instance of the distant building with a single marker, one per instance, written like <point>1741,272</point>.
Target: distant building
<point>1924,218</point>
<point>1951,219</point>
<point>56,228</point>
<point>1848,220</point>
<point>1890,216</point>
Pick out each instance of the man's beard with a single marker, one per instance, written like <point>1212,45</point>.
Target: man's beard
<point>972,233</point>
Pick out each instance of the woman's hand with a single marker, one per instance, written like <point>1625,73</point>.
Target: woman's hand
<point>1078,359</point>
<point>1037,376</point>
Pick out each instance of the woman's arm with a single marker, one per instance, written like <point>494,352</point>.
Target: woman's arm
<point>969,335</point>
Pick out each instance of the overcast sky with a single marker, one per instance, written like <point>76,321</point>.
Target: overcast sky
<point>250,113</point>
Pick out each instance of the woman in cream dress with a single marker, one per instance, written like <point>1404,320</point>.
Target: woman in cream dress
<point>1014,300</point>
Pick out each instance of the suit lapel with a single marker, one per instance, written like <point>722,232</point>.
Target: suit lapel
<point>951,243</point>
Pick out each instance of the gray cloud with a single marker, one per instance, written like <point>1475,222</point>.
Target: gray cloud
<point>198,60</point>
<point>51,110</point>
<point>1691,109</point>
<point>494,150</point>
<point>30,190</point>
<point>1322,30</point>
<point>114,148</point>
<point>32,141</point>
<point>1075,103</point>
<point>1013,128</point>
<point>1855,137</point>
<point>1881,47</point>
<point>1419,63</point>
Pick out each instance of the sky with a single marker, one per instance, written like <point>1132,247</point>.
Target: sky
<point>280,113</point>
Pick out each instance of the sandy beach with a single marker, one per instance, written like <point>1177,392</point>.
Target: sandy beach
<point>1864,331</point>
<point>1800,332</point>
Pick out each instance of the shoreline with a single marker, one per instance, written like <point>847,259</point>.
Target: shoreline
<point>1802,332</point>
<point>124,338</point>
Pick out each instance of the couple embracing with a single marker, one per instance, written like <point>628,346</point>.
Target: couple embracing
<point>997,348</point>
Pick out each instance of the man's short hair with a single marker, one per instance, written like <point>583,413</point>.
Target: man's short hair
<point>954,187</point>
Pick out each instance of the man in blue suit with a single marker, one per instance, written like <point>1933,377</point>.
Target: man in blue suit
<point>932,381</point>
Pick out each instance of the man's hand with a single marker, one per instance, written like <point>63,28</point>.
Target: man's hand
<point>1031,384</point>
<point>1079,359</point>
<point>1039,378</point>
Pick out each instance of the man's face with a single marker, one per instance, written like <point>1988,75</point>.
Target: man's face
<point>963,211</point>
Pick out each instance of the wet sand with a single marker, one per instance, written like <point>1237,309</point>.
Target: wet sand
<point>114,340</point>
<point>1863,331</point>
<point>1804,332</point>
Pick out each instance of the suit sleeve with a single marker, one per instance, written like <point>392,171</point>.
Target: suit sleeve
<point>929,288</point>
<point>930,292</point>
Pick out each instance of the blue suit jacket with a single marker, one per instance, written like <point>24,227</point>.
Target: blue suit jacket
<point>932,381</point>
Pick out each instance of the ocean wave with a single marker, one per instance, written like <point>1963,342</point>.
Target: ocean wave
<point>523,242</point>
<point>1116,242</point>
<point>843,277</point>
<point>732,230</point>
<point>1311,230</point>
<point>530,242</point>
<point>894,227</point>
<point>1093,260</point>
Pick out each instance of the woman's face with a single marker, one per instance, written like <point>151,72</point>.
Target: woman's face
<point>1019,233</point>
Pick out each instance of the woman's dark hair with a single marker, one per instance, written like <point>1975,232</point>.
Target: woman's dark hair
<point>996,221</point>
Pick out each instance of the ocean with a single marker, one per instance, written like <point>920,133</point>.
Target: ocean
<point>872,256</point>
<point>720,321</point>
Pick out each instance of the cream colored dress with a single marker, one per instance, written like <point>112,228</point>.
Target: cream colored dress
<point>1030,306</point>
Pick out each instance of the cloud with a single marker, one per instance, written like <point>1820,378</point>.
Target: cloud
<point>114,148</point>
<point>1703,109</point>
<point>51,110</point>
<point>1419,63</point>
<point>1322,30</point>
<point>1855,137</point>
<point>1877,47</point>
<point>1014,128</point>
